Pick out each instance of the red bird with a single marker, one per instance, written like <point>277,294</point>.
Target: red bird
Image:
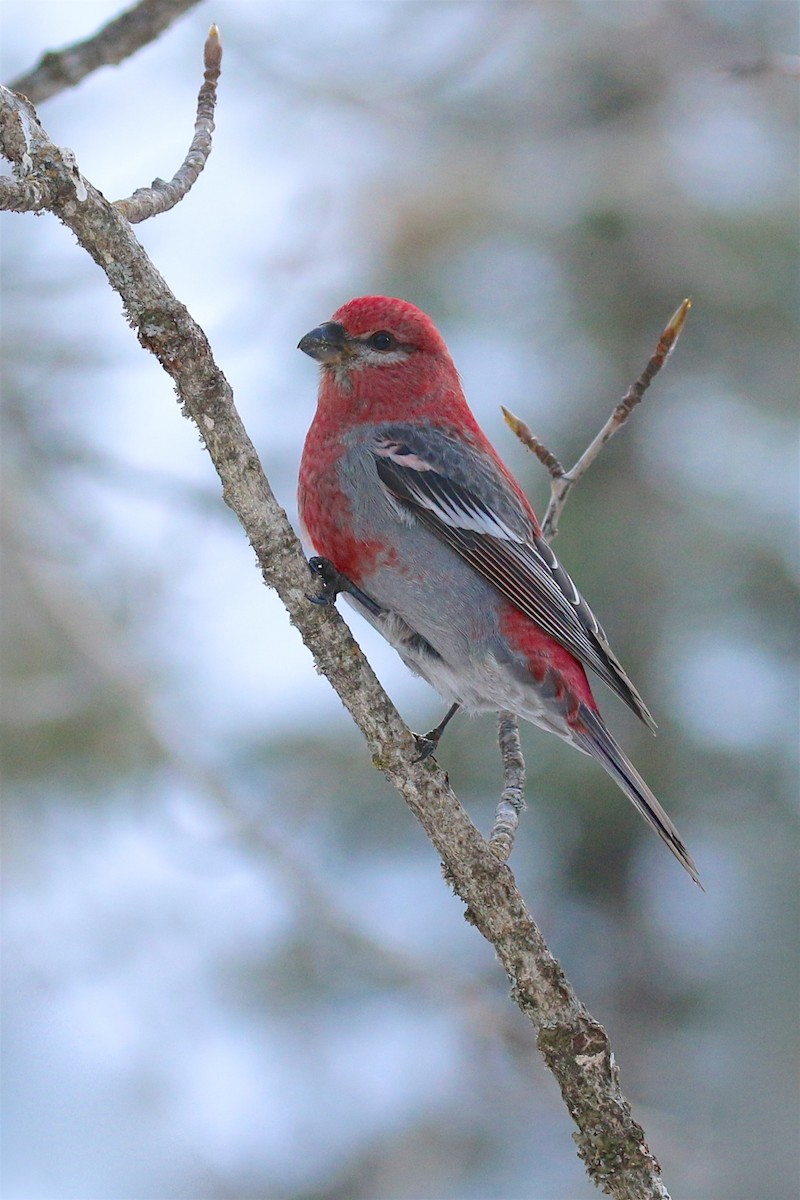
<point>431,538</point>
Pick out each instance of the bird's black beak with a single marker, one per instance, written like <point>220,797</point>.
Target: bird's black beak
<point>327,343</point>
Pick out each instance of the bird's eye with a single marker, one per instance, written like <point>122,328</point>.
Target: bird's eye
<point>382,340</point>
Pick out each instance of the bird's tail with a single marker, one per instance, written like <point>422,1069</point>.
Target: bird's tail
<point>591,735</point>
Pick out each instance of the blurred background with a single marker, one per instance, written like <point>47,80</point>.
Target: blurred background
<point>231,967</point>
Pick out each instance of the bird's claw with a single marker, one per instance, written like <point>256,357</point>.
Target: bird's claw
<point>426,745</point>
<point>332,582</point>
<point>427,742</point>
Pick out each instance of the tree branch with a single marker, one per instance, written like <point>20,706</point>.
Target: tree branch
<point>574,1045</point>
<point>116,41</point>
<point>20,195</point>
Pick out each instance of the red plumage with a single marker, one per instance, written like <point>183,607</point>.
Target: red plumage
<point>401,490</point>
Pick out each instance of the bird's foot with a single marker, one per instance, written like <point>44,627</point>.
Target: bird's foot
<point>332,582</point>
<point>427,742</point>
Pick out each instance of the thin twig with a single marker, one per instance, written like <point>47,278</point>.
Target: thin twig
<point>161,196</point>
<point>562,482</point>
<point>512,798</point>
<point>525,435</point>
<point>576,1048</point>
<point>116,41</point>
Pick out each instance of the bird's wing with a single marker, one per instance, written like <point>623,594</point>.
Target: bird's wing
<point>461,497</point>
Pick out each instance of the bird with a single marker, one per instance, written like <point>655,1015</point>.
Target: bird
<point>416,520</point>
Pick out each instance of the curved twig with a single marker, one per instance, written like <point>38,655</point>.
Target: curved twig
<point>161,196</point>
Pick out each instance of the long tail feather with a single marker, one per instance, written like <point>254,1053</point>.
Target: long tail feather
<point>597,741</point>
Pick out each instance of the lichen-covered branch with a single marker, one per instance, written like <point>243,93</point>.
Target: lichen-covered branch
<point>575,1047</point>
<point>22,195</point>
<point>116,41</point>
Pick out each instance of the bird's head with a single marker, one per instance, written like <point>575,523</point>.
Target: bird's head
<point>373,331</point>
<point>384,359</point>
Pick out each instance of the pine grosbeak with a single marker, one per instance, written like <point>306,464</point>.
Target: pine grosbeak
<point>436,544</point>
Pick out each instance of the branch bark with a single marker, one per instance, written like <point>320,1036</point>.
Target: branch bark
<point>116,41</point>
<point>575,1046</point>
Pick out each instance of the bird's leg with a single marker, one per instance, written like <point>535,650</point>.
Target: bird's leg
<point>427,742</point>
<point>333,582</point>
